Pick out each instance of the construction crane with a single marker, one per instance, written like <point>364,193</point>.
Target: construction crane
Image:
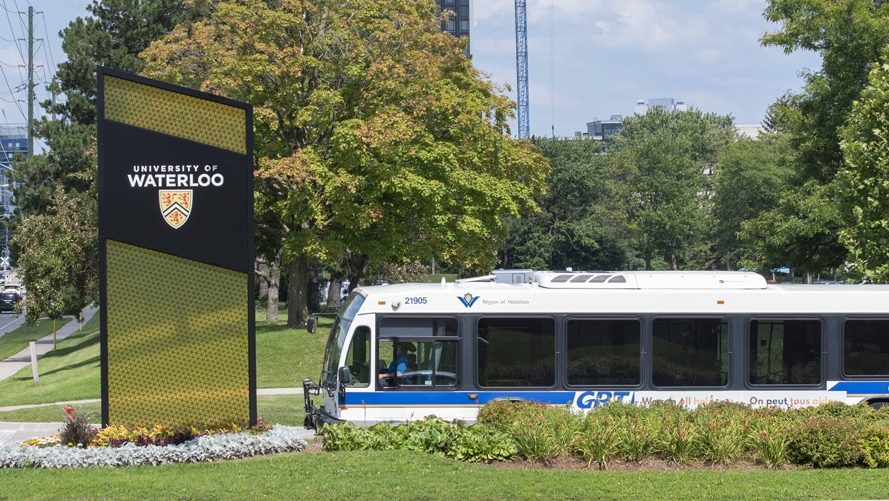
<point>521,58</point>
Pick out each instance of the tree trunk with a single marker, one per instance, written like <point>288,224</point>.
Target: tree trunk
<point>673,261</point>
<point>262,272</point>
<point>274,282</point>
<point>314,296</point>
<point>356,269</point>
<point>809,277</point>
<point>334,292</point>
<point>647,257</point>
<point>298,277</point>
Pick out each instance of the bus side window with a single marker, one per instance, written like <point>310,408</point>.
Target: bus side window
<point>358,358</point>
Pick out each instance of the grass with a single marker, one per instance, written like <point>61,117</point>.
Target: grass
<point>17,340</point>
<point>70,372</point>
<point>274,409</point>
<point>392,475</point>
<point>284,356</point>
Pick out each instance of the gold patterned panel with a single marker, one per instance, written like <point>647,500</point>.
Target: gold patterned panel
<point>175,114</point>
<point>177,341</point>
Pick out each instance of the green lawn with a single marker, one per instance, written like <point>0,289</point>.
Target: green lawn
<point>17,340</point>
<point>274,409</point>
<point>284,356</point>
<point>70,372</point>
<point>395,475</point>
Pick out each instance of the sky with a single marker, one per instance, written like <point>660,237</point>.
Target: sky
<point>587,58</point>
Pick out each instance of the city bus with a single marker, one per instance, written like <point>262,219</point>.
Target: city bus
<point>397,353</point>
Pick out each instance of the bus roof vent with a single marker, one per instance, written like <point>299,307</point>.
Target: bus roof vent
<point>651,280</point>
<point>513,276</point>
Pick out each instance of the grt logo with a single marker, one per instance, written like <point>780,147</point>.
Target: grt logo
<point>593,399</point>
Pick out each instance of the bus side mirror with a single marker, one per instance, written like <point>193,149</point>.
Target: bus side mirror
<point>345,377</point>
<point>311,323</point>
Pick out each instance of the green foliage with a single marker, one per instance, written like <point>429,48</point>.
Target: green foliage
<point>597,439</point>
<point>874,444</point>
<point>502,413</point>
<point>749,179</point>
<point>476,443</point>
<point>581,222</point>
<point>374,133</point>
<point>802,230</point>
<point>863,186</point>
<point>59,267</point>
<point>770,444</point>
<point>825,442</point>
<point>664,156</point>
<point>62,182</point>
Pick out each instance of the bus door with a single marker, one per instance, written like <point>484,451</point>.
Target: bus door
<point>354,374</point>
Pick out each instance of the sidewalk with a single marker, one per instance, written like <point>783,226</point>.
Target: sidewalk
<point>10,323</point>
<point>22,359</point>
<point>11,433</point>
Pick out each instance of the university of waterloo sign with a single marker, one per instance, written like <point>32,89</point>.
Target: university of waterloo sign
<point>176,251</point>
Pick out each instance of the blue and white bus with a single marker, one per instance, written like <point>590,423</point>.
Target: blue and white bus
<point>401,352</point>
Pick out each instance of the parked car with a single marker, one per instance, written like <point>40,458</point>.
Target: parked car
<point>9,299</point>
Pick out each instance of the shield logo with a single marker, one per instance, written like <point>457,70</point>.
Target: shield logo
<point>175,206</point>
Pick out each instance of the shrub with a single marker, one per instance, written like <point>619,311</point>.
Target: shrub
<point>432,435</point>
<point>840,410</point>
<point>76,429</point>
<point>502,413</point>
<point>672,433</point>
<point>825,441</point>
<point>874,444</point>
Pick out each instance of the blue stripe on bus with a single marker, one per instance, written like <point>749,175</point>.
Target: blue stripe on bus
<point>420,398</point>
<point>861,387</point>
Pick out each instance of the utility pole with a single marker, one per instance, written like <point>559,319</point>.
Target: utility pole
<point>31,81</point>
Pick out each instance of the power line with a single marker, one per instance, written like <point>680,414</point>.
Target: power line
<point>15,38</point>
<point>48,45</point>
<point>9,87</point>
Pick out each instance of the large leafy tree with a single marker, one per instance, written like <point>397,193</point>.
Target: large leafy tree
<point>848,35</point>
<point>580,223</point>
<point>376,139</point>
<point>667,158</point>
<point>56,192</point>
<point>748,181</point>
<point>864,180</point>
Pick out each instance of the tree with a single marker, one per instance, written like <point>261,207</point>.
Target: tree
<point>62,258</point>
<point>863,180</point>
<point>749,179</point>
<point>666,157</point>
<point>376,139</point>
<point>798,241</point>
<point>848,35</point>
<point>580,223</point>
<point>51,184</point>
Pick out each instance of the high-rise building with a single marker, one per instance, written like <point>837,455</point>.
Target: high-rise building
<point>601,130</point>
<point>13,141</point>
<point>667,103</point>
<point>458,21</point>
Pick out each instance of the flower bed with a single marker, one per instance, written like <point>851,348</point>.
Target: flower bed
<point>204,448</point>
<point>718,434</point>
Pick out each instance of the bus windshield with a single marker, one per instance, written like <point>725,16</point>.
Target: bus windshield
<point>337,337</point>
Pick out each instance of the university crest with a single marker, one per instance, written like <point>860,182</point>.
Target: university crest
<point>175,206</point>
